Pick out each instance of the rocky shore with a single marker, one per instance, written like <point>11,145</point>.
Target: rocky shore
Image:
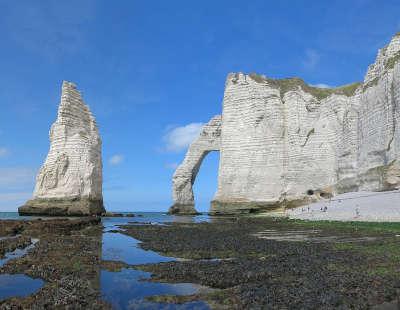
<point>67,258</point>
<point>10,244</point>
<point>241,262</point>
<point>252,265</point>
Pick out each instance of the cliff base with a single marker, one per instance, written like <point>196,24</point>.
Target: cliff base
<point>62,207</point>
<point>182,209</point>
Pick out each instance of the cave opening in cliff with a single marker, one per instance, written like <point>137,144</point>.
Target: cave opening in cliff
<point>310,192</point>
<point>206,181</point>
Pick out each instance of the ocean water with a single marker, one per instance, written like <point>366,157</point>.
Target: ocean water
<point>128,288</point>
<point>143,217</point>
<point>13,216</point>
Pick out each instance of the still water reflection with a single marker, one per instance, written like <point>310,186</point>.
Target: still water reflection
<point>128,288</point>
<point>18,285</point>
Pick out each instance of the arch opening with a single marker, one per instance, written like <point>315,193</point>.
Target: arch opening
<point>206,181</point>
<point>185,175</point>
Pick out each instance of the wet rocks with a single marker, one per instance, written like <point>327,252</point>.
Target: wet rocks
<point>67,258</point>
<point>12,243</point>
<point>43,226</point>
<point>270,274</point>
<point>114,266</point>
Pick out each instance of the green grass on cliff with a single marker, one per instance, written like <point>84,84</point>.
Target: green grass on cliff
<point>380,227</point>
<point>392,61</point>
<point>289,84</point>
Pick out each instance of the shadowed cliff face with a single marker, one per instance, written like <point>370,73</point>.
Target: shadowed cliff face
<point>284,143</point>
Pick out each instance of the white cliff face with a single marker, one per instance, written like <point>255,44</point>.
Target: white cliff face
<point>208,140</point>
<point>278,146</point>
<point>70,181</point>
<point>379,67</point>
<point>284,143</point>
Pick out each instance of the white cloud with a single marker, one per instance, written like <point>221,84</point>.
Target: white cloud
<point>116,159</point>
<point>179,138</point>
<point>321,85</point>
<point>4,152</point>
<point>311,59</point>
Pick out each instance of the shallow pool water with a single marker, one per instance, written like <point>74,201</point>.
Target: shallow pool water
<point>17,253</point>
<point>128,288</point>
<point>18,285</point>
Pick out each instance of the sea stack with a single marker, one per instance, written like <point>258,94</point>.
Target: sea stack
<point>284,143</point>
<point>70,181</point>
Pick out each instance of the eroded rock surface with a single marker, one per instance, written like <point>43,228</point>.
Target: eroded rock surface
<point>284,143</point>
<point>70,181</point>
<point>209,140</point>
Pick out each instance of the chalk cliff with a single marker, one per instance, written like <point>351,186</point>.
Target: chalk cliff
<point>284,143</point>
<point>70,181</point>
<point>208,140</point>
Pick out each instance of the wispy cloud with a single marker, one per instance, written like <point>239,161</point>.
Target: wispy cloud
<point>171,166</point>
<point>116,159</point>
<point>4,151</point>
<point>179,138</point>
<point>321,85</point>
<point>311,59</point>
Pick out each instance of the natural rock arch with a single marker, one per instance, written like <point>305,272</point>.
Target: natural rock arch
<point>285,143</point>
<point>185,175</point>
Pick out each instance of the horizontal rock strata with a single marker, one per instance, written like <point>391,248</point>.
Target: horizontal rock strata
<point>70,181</point>
<point>284,143</point>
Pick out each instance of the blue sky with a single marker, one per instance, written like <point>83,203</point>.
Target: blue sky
<point>153,71</point>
